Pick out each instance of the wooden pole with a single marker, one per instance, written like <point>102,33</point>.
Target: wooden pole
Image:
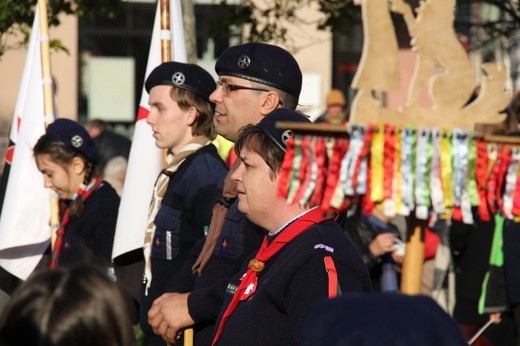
<point>48,101</point>
<point>166,45</point>
<point>166,55</point>
<point>414,257</point>
<point>166,51</point>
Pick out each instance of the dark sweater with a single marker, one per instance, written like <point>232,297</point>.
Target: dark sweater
<point>292,283</point>
<point>90,237</point>
<point>180,222</point>
<point>239,239</point>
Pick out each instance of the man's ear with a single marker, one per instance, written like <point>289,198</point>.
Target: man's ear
<point>271,102</point>
<point>191,116</point>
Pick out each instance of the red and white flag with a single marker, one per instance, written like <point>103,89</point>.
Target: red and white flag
<point>145,160</point>
<point>25,215</point>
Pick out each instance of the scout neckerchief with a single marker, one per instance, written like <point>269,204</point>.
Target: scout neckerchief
<point>161,185</point>
<point>249,280</point>
<point>83,193</point>
<point>218,216</point>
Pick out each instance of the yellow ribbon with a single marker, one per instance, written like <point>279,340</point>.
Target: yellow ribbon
<point>447,170</point>
<point>376,165</point>
<point>398,193</point>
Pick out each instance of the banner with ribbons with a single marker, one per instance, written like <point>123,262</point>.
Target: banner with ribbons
<point>405,170</point>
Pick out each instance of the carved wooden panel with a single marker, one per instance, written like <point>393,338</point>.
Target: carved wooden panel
<point>442,66</point>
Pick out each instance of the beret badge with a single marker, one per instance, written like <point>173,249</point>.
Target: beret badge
<point>243,62</point>
<point>178,78</point>
<point>286,135</point>
<point>76,141</point>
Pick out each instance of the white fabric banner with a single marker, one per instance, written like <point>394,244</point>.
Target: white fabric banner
<point>145,160</point>
<point>24,221</point>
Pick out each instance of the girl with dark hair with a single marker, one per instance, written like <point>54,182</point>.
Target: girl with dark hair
<point>66,156</point>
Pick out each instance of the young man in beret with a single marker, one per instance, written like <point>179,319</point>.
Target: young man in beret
<point>181,118</point>
<point>304,258</point>
<point>254,79</point>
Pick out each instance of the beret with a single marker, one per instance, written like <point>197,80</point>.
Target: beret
<point>277,135</point>
<point>392,319</point>
<point>185,76</point>
<point>262,63</point>
<point>75,136</point>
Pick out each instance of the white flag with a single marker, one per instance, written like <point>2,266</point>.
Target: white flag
<point>145,160</point>
<point>24,221</point>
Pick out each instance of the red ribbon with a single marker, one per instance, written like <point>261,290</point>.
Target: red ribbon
<point>285,170</point>
<point>305,169</point>
<point>516,198</point>
<point>339,149</point>
<point>388,161</point>
<point>320,152</point>
<point>482,162</point>
<point>504,164</point>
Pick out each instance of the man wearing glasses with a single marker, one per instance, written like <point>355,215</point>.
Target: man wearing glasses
<point>254,79</point>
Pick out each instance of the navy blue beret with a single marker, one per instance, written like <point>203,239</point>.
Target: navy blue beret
<point>185,76</point>
<point>277,135</point>
<point>74,135</point>
<point>391,319</point>
<point>262,63</point>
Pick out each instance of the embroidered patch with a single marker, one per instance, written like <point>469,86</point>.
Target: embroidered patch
<point>325,247</point>
<point>157,243</point>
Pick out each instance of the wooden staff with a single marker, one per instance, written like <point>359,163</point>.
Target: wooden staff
<point>166,45</point>
<point>166,55</point>
<point>48,101</point>
<point>414,256</point>
<point>166,40</point>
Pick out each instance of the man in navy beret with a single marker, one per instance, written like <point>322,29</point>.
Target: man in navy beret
<point>181,119</point>
<point>254,79</point>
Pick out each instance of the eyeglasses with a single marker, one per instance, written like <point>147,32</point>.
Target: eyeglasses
<point>227,88</point>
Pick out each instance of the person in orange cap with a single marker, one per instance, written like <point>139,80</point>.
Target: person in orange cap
<point>336,111</point>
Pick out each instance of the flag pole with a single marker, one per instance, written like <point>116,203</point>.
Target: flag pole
<point>166,40</point>
<point>48,101</point>
<point>166,45</point>
<point>166,55</point>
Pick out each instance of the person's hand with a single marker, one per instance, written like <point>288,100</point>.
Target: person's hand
<point>383,243</point>
<point>169,315</point>
<point>496,317</point>
<point>398,259</point>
